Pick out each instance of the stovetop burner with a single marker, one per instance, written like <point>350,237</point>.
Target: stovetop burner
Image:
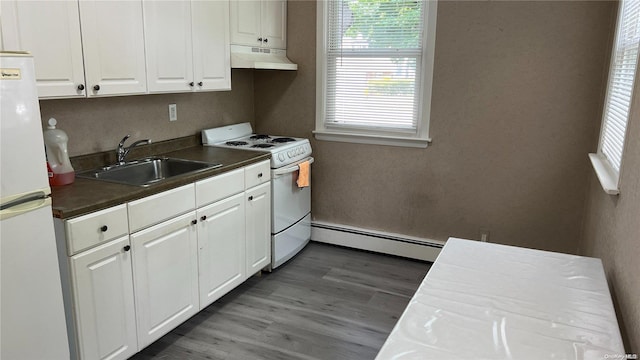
<point>283,140</point>
<point>260,137</point>
<point>263,145</point>
<point>237,143</point>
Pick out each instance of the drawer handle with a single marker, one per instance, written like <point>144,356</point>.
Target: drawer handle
<point>250,198</point>
<point>203,218</point>
<point>260,175</point>
<point>104,228</point>
<point>126,248</point>
<point>193,222</point>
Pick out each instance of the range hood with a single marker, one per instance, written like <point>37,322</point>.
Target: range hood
<point>248,57</point>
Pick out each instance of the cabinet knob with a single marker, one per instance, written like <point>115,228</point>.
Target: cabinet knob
<point>191,84</point>
<point>193,222</point>
<point>260,175</point>
<point>104,228</point>
<point>96,88</point>
<point>126,248</point>
<point>81,87</point>
<point>265,40</point>
<point>260,39</point>
<point>250,198</point>
<point>200,83</point>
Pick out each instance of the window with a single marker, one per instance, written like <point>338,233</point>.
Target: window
<point>622,73</point>
<point>374,71</point>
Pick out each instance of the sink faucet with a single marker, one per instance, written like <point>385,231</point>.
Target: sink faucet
<point>123,151</point>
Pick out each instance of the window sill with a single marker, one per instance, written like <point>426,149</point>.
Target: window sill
<point>606,175</point>
<point>372,139</point>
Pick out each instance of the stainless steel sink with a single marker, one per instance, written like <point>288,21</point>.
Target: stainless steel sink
<point>148,171</point>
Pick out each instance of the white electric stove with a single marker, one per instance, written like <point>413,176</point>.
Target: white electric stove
<point>290,204</point>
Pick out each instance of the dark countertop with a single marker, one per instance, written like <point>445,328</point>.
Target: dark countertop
<point>88,195</point>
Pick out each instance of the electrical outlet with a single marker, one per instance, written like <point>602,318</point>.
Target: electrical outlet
<point>484,235</point>
<point>173,112</point>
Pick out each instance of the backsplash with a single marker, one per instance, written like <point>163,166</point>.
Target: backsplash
<point>104,158</point>
<point>98,124</point>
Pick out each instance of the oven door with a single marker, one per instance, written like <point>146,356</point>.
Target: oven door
<point>290,203</point>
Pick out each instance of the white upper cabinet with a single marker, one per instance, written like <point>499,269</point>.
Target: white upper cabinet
<point>211,45</point>
<point>168,42</point>
<point>259,23</point>
<point>113,43</point>
<point>87,48</point>
<point>187,44</point>
<point>274,24</point>
<point>50,30</point>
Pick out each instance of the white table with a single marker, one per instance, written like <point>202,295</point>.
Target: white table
<point>490,301</point>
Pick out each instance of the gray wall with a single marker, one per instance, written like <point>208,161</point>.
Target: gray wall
<point>95,125</point>
<point>516,106</point>
<point>612,232</point>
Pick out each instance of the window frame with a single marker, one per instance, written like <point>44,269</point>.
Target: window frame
<point>607,175</point>
<point>418,139</point>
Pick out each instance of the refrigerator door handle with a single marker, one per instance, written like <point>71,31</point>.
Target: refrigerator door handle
<point>23,199</point>
<point>24,207</point>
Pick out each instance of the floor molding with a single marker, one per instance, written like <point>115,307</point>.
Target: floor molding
<point>377,241</point>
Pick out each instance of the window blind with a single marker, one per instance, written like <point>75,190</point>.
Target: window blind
<point>624,63</point>
<point>374,57</point>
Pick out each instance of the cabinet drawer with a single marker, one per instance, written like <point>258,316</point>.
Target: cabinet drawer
<point>219,187</point>
<point>160,207</point>
<point>257,174</point>
<point>101,226</point>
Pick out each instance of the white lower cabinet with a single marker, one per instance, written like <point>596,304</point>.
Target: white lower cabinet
<point>258,227</point>
<point>221,247</point>
<point>104,302</point>
<point>133,272</point>
<point>165,270</point>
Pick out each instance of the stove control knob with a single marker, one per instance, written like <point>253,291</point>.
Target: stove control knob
<point>281,157</point>
<point>289,153</point>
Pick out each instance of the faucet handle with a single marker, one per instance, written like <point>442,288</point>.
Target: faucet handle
<point>121,144</point>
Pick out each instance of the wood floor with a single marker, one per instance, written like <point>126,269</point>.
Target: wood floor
<point>326,303</point>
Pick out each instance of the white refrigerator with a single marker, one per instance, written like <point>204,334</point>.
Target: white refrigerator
<point>31,309</point>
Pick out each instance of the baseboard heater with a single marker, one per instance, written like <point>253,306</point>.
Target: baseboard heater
<point>377,241</point>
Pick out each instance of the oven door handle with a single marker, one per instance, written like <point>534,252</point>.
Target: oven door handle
<point>291,169</point>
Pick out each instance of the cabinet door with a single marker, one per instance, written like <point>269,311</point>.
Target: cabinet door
<point>167,26</point>
<point>245,22</point>
<point>258,225</point>
<point>103,299</point>
<point>50,30</point>
<point>211,47</point>
<point>165,273</point>
<point>113,44</point>
<point>274,24</point>
<point>221,247</point>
